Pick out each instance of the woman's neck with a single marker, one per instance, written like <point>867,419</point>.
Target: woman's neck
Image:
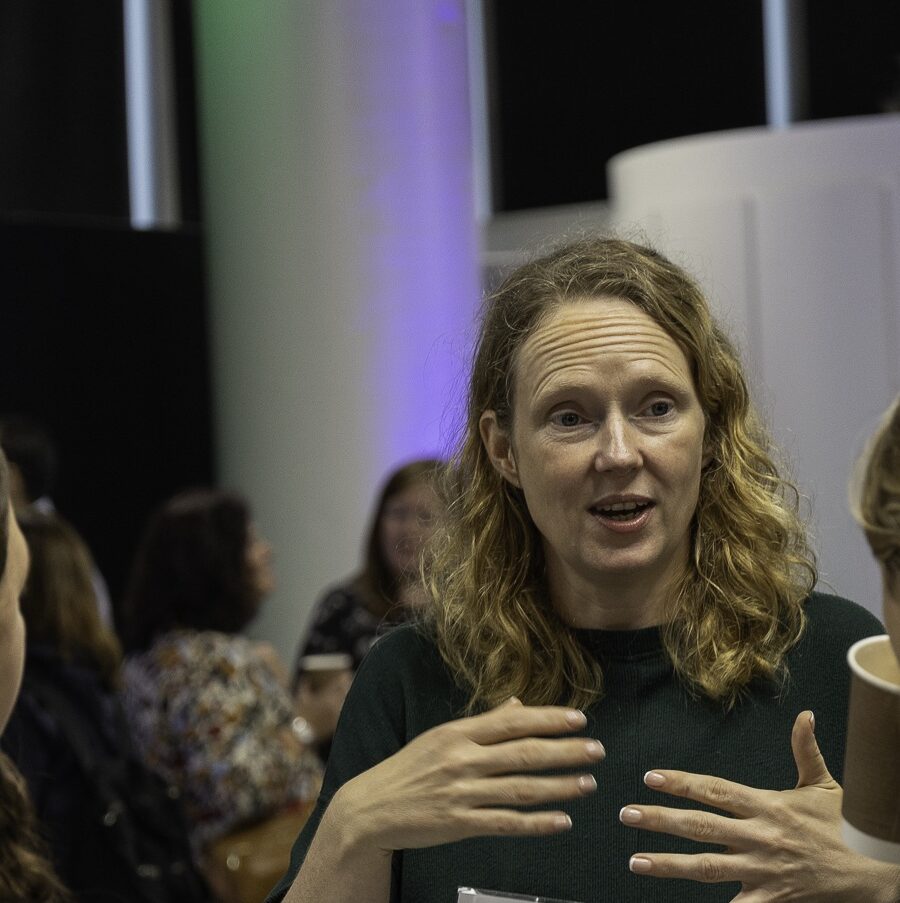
<point>625,603</point>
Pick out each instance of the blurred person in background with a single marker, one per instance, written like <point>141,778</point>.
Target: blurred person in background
<point>34,465</point>
<point>209,707</point>
<point>351,616</point>
<point>875,500</point>
<point>68,726</point>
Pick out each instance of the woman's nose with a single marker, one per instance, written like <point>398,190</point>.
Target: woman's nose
<point>617,445</point>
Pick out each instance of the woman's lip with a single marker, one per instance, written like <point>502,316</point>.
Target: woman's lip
<point>625,526</point>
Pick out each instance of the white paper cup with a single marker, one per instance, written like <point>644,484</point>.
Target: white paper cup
<point>325,661</point>
<point>871,807</point>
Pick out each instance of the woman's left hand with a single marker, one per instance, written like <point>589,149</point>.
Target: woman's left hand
<point>781,845</point>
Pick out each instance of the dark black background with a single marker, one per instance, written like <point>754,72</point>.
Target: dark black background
<point>574,83</point>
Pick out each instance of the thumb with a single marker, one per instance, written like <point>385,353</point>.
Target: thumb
<point>811,767</point>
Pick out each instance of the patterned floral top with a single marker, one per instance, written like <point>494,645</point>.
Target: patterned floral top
<point>209,714</point>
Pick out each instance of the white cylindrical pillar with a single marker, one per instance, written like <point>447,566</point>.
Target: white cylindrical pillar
<point>342,260</point>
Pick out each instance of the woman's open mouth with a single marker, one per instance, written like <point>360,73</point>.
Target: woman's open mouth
<point>623,516</point>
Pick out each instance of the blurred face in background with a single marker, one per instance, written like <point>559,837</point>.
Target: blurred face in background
<point>258,558</point>
<point>407,522</point>
<point>12,626</point>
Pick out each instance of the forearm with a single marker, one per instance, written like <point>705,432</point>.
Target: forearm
<point>340,867</point>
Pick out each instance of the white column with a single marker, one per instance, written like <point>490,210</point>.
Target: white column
<point>342,261</point>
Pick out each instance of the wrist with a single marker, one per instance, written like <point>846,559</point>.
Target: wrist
<point>352,826</point>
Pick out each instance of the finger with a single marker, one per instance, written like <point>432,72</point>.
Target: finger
<point>754,895</point>
<point>811,767</point>
<point>525,790</point>
<point>704,827</point>
<point>536,754</point>
<point>511,823</point>
<point>738,799</point>
<point>510,721</point>
<point>707,868</point>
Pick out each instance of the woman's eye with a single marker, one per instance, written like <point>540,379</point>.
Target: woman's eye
<point>659,408</point>
<point>566,418</point>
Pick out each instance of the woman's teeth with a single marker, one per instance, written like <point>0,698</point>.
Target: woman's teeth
<point>622,510</point>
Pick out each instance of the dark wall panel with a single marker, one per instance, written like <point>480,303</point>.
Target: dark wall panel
<point>574,83</point>
<point>62,108</point>
<point>104,339</point>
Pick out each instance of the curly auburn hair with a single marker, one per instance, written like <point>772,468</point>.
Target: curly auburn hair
<point>875,498</point>
<point>739,606</point>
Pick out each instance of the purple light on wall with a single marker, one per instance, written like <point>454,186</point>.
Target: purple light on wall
<point>409,108</point>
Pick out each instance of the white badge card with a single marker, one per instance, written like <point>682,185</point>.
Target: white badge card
<point>474,895</point>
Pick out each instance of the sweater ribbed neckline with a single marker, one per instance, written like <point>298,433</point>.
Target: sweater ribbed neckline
<point>622,645</point>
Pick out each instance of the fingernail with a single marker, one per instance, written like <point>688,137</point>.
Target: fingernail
<point>563,822</point>
<point>514,700</point>
<point>812,721</point>
<point>576,718</point>
<point>595,749</point>
<point>639,865</point>
<point>654,779</point>
<point>587,782</point>
<point>630,816</point>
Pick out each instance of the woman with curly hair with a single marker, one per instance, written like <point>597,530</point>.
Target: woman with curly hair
<point>25,872</point>
<point>622,607</point>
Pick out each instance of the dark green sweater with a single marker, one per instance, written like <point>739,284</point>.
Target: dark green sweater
<point>645,720</point>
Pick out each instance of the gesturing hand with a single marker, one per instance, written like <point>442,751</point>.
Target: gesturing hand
<point>466,778</point>
<point>781,845</point>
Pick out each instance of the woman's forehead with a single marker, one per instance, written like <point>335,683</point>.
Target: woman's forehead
<point>581,333</point>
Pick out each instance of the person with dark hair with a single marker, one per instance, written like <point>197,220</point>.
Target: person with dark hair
<point>32,459</point>
<point>208,710</point>
<point>621,607</point>
<point>25,871</point>
<point>350,616</point>
<point>34,465</point>
<point>68,723</point>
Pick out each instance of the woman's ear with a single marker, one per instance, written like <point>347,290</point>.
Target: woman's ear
<point>498,445</point>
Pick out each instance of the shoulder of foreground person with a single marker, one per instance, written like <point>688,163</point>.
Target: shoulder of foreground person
<point>404,671</point>
<point>835,615</point>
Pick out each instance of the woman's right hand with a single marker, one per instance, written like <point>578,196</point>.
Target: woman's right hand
<point>468,778</point>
